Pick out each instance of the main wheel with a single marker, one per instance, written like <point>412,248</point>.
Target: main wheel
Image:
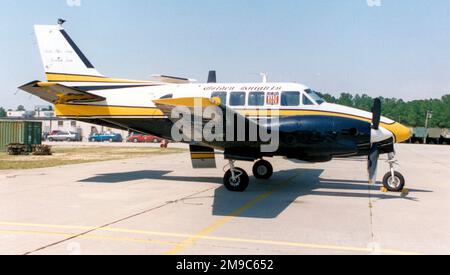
<point>395,184</point>
<point>239,184</point>
<point>263,170</point>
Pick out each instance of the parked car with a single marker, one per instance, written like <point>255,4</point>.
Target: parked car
<point>106,136</point>
<point>64,136</point>
<point>138,138</point>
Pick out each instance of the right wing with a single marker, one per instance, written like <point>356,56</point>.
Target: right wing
<point>226,115</point>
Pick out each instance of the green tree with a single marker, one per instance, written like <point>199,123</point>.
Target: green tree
<point>2,112</point>
<point>20,108</point>
<point>346,99</point>
<point>411,113</point>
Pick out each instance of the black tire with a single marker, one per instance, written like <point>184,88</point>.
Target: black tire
<point>240,185</point>
<point>394,186</point>
<point>263,170</point>
<point>50,139</point>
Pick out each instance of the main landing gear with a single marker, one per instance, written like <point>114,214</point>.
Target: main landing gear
<point>393,181</point>
<point>237,180</point>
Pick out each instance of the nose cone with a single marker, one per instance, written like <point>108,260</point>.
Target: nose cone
<point>401,132</point>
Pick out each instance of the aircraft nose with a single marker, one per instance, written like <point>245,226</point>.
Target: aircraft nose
<point>401,132</point>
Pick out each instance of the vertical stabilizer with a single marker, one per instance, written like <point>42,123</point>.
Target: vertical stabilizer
<point>60,55</point>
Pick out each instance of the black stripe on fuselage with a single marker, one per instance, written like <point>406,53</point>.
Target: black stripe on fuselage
<point>74,46</point>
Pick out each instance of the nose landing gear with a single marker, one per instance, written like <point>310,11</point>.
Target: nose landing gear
<point>393,181</point>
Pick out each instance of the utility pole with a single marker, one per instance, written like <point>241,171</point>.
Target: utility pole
<point>429,116</point>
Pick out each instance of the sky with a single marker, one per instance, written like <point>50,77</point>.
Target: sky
<point>390,48</point>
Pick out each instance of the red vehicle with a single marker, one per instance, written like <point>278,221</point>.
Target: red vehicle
<point>138,138</point>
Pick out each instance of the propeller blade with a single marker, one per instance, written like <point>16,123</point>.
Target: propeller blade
<point>373,163</point>
<point>212,77</point>
<point>376,110</point>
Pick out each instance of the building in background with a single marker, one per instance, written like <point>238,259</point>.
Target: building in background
<point>51,123</point>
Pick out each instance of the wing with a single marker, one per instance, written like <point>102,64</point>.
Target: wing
<point>239,136</point>
<point>59,94</point>
<point>206,111</point>
<point>234,133</point>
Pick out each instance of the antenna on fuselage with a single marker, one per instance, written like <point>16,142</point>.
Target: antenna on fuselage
<point>265,77</point>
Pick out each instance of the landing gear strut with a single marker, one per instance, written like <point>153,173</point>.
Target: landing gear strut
<point>236,179</point>
<point>393,181</point>
<point>263,170</point>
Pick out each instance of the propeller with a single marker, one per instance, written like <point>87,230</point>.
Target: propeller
<point>374,154</point>
<point>212,77</point>
<point>376,110</point>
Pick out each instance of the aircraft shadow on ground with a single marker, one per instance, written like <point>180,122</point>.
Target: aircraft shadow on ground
<point>284,190</point>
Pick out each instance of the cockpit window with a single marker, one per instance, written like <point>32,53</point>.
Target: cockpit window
<point>307,101</point>
<point>315,96</point>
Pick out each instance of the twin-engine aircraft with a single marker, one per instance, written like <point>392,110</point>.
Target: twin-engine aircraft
<point>299,123</point>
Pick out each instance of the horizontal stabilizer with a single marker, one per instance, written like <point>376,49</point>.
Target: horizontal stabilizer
<point>173,79</point>
<point>59,94</point>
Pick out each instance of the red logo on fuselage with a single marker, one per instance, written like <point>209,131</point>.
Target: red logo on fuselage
<point>273,98</point>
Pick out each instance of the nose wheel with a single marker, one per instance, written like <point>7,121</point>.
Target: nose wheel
<point>263,170</point>
<point>393,181</point>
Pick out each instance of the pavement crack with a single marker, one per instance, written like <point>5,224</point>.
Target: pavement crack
<point>116,222</point>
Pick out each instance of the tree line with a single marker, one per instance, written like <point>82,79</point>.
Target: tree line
<point>3,112</point>
<point>412,113</point>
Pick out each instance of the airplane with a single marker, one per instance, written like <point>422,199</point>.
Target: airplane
<point>308,128</point>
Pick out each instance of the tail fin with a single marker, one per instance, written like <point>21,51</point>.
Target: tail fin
<point>62,58</point>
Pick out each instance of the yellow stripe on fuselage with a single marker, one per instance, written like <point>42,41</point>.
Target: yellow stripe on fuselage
<point>400,132</point>
<point>63,110</point>
<point>85,78</point>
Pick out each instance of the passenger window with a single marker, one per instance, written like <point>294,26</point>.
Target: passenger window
<point>237,99</point>
<point>256,99</point>
<point>307,101</point>
<point>221,95</point>
<point>290,99</point>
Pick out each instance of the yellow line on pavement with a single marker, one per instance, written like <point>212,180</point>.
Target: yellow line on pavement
<point>209,238</point>
<point>216,225</point>
<point>95,237</point>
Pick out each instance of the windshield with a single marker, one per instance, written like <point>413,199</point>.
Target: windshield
<point>315,96</point>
